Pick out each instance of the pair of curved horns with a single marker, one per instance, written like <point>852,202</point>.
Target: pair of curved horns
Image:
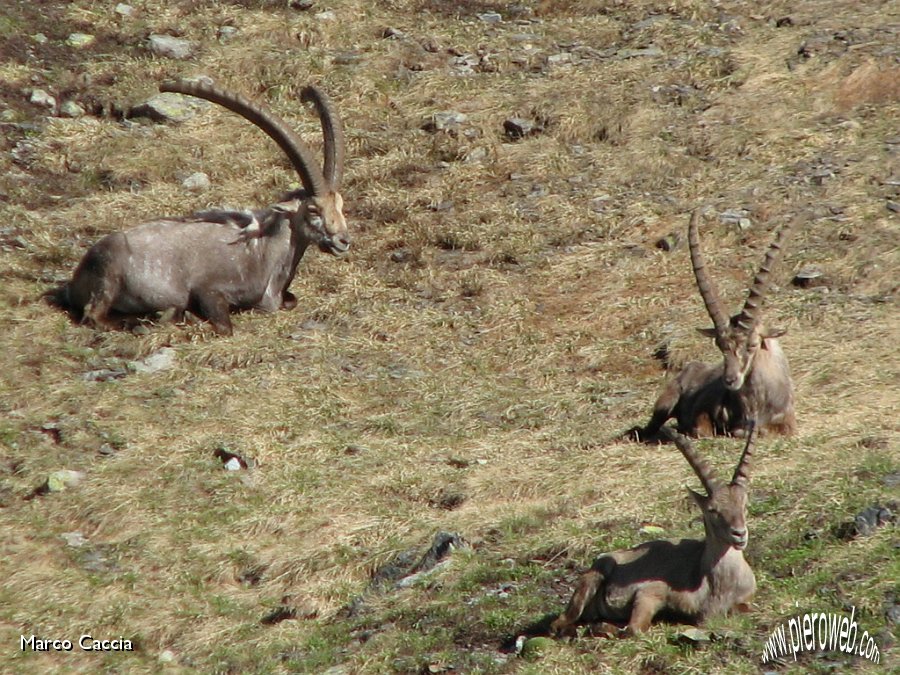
<point>702,468</point>
<point>316,181</point>
<point>749,316</point>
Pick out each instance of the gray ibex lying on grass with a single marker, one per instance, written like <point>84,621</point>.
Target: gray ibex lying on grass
<point>684,579</point>
<point>754,379</point>
<point>216,261</point>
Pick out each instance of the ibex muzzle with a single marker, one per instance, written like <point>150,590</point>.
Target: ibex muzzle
<point>753,382</point>
<point>217,261</point>
<point>687,578</point>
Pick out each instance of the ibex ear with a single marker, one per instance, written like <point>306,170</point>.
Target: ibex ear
<point>707,332</point>
<point>773,333</point>
<point>700,499</point>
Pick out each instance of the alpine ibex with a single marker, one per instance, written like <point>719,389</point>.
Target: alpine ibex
<point>216,261</point>
<point>754,380</point>
<point>683,579</point>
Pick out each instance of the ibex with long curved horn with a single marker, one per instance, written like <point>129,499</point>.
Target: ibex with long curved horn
<point>217,261</point>
<point>685,578</point>
<point>754,379</point>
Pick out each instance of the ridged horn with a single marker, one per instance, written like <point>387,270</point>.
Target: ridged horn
<point>698,464</point>
<point>749,317</point>
<point>333,134</point>
<point>298,153</point>
<point>742,470</point>
<point>704,283</point>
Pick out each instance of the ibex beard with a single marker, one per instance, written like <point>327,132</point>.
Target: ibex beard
<point>218,261</point>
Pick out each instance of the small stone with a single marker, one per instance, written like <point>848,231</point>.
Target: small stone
<point>196,182</point>
<point>166,656</point>
<point>652,530</point>
<point>79,40</point>
<point>300,5</point>
<point>63,479</point>
<point>400,255</point>
<point>42,98</point>
<point>535,648</point>
<point>893,206</point>
<point>40,38</point>
<point>327,15</point>
<point>155,362</point>
<point>225,33</point>
<point>104,374</point>
<point>490,17</point>
<point>516,127</point>
<point>559,59</point>
<point>809,277</point>
<point>73,539</point>
<point>692,636</point>
<point>124,10</point>
<point>638,53</point>
<point>669,242</point>
<point>391,33</point>
<point>171,47</point>
<point>233,464</point>
<point>71,109</point>
<point>167,107</point>
<point>442,121</point>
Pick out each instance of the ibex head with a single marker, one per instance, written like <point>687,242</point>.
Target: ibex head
<point>319,215</point>
<point>724,506</point>
<point>742,336</point>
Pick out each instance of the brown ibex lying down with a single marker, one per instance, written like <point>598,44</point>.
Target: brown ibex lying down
<point>754,379</point>
<point>216,261</point>
<point>685,578</point>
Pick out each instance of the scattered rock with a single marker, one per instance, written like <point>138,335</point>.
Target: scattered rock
<point>809,277</point>
<point>444,121</point>
<point>669,243</point>
<point>784,22</point>
<point>225,33</point>
<point>534,648</point>
<point>650,52</point>
<point>42,98</point>
<point>104,374</point>
<point>739,217</point>
<point>74,539</point>
<point>196,182</point>
<point>891,480</point>
<point>124,10</point>
<point>866,522</point>
<point>652,530</point>
<point>400,255</point>
<point>168,107</point>
<point>80,40</point>
<point>171,47</point>
<point>71,109</point>
<point>327,15</point>
<point>892,206</point>
<point>692,636</point>
<point>166,656</point>
<point>517,127</point>
<point>391,33</point>
<point>301,5</point>
<point>347,58</point>
<point>232,461</point>
<point>490,17</point>
<point>164,359</point>
<point>58,481</point>
<point>40,38</point>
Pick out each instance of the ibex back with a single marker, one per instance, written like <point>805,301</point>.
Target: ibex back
<point>217,261</point>
<point>685,578</point>
<point>753,381</point>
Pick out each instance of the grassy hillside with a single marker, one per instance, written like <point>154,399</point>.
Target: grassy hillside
<point>470,364</point>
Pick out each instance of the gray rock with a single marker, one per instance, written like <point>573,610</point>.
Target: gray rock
<point>225,33</point>
<point>639,53</point>
<point>171,47</point>
<point>443,121</point>
<point>40,38</point>
<point>74,539</point>
<point>164,359</point>
<point>63,479</point>
<point>71,109</point>
<point>347,58</point>
<point>893,206</point>
<point>391,33</point>
<point>124,10</point>
<point>327,15</point>
<point>196,182</point>
<point>42,98</point>
<point>80,40</point>
<point>168,107</point>
<point>490,17</point>
<point>104,374</point>
<point>517,127</point>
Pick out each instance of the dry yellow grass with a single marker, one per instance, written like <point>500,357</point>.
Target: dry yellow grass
<point>498,362</point>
